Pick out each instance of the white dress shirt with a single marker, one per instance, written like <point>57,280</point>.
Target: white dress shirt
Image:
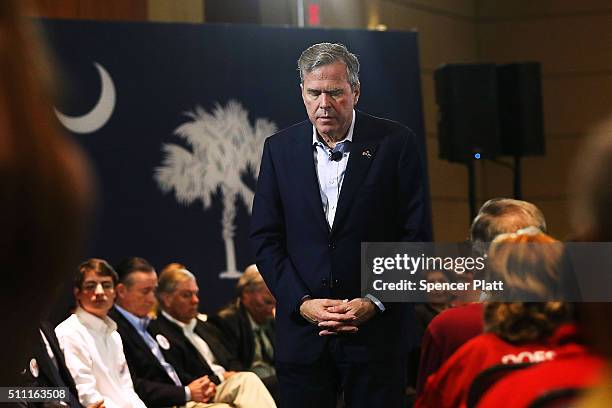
<point>199,344</point>
<point>331,173</point>
<point>94,355</point>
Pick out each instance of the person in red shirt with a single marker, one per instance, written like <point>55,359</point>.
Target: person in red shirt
<point>514,332</point>
<point>454,327</point>
<point>573,367</point>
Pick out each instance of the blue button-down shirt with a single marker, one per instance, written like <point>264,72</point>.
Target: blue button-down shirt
<point>141,324</point>
<point>331,175</point>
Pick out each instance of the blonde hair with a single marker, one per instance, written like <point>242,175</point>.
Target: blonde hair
<point>523,322</point>
<point>527,270</point>
<point>527,264</point>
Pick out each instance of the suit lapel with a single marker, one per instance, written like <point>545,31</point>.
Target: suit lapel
<point>248,343</point>
<point>45,365</point>
<point>180,340</point>
<point>201,331</point>
<point>362,152</point>
<point>307,181</point>
<point>56,374</point>
<point>134,336</point>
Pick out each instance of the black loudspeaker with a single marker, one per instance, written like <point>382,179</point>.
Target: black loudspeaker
<point>520,106</point>
<point>468,119</point>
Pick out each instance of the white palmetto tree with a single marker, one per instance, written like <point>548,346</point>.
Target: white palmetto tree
<point>224,146</point>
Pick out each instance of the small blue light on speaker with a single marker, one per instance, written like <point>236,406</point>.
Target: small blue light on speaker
<point>477,156</point>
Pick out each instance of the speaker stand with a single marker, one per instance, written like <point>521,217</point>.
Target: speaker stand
<point>471,189</point>
<point>518,194</point>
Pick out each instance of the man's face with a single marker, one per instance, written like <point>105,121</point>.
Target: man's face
<point>97,294</point>
<point>329,99</point>
<point>259,302</point>
<point>438,296</point>
<point>139,297</point>
<point>182,304</point>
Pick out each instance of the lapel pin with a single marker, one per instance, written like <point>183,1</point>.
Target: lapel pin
<point>367,153</point>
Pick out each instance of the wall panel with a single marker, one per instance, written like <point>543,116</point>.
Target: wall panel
<point>112,10</point>
<point>562,44</point>
<point>188,11</point>
<point>521,9</point>
<point>55,8</point>
<point>458,8</point>
<point>451,220</point>
<point>573,105</point>
<point>442,38</point>
<point>572,41</point>
<point>446,179</point>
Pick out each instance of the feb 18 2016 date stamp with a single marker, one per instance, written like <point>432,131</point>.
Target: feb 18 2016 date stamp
<point>33,394</point>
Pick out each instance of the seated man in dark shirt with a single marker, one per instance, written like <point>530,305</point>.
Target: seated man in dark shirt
<point>247,327</point>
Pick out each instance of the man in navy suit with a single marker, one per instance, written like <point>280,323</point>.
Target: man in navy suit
<point>326,185</point>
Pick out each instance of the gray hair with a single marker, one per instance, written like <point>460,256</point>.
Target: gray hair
<point>503,215</point>
<point>169,279</point>
<point>249,280</point>
<point>322,54</point>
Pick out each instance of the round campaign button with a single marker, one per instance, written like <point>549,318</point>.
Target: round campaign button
<point>34,368</point>
<point>163,342</point>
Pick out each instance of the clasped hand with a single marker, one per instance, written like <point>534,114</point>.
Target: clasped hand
<point>334,316</point>
<point>202,389</point>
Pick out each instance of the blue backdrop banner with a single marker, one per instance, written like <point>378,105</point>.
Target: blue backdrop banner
<point>173,117</point>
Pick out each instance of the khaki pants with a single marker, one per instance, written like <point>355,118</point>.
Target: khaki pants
<point>242,390</point>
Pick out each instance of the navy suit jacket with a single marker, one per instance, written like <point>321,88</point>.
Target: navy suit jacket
<point>383,198</point>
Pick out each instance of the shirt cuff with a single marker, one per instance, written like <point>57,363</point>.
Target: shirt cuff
<point>187,394</point>
<point>377,303</point>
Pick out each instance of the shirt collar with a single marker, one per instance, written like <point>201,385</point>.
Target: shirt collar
<point>140,323</point>
<point>185,326</point>
<point>94,322</point>
<point>252,321</point>
<point>349,134</point>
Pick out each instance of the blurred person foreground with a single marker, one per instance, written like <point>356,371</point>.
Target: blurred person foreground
<point>45,193</point>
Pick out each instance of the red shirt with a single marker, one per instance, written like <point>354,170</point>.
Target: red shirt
<point>447,332</point>
<point>571,368</point>
<point>448,387</point>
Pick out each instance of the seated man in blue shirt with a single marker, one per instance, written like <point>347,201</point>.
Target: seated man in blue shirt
<point>155,380</point>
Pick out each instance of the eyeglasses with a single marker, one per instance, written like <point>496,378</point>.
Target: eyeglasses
<point>91,286</point>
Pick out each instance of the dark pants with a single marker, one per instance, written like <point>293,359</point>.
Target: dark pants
<point>363,384</point>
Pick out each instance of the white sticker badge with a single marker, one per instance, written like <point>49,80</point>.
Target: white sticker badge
<point>34,368</point>
<point>163,342</point>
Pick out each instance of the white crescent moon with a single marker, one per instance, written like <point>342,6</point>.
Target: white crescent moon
<point>100,114</point>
